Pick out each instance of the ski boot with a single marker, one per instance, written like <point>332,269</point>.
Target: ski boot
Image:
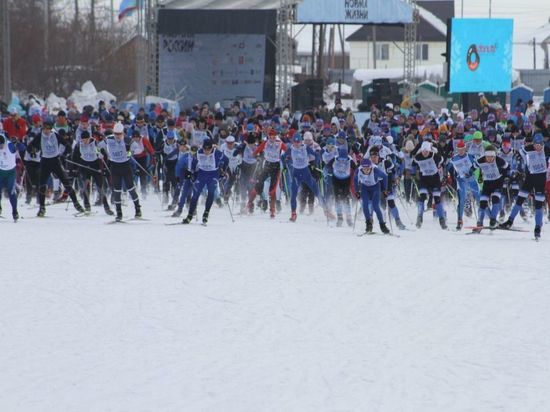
<point>118,217</point>
<point>443,223</point>
<point>400,224</point>
<point>205,217</point>
<point>15,215</point>
<point>368,228</point>
<point>188,219</point>
<point>328,214</point>
<point>250,207</point>
<point>506,225</point>
<point>171,207</point>
<point>218,202</point>
<point>537,233</point>
<point>278,206</point>
<point>87,208</point>
<point>523,215</point>
<point>263,205</point>
<point>478,228</point>
<point>177,213</point>
<point>137,215</point>
<point>108,211</point>
<point>384,228</point>
<point>272,213</point>
<point>501,215</point>
<point>340,220</point>
<point>79,208</point>
<point>311,210</point>
<point>419,221</point>
<point>493,223</point>
<point>293,216</point>
<point>459,224</point>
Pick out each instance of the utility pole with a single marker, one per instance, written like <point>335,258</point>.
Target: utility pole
<point>6,51</point>
<point>534,53</point>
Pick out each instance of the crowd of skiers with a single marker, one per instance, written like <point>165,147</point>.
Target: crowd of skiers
<point>489,164</point>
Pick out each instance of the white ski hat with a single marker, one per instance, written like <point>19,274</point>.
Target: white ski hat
<point>119,128</point>
<point>426,147</point>
<point>230,139</point>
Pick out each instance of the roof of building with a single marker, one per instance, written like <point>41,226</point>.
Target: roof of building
<point>432,18</point>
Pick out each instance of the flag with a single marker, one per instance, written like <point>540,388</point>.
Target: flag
<point>127,7</point>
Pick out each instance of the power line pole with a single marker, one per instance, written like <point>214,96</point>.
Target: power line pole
<point>6,50</point>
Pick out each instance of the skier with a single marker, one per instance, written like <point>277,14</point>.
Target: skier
<point>343,168</point>
<point>121,171</point>
<point>370,181</point>
<point>298,155</point>
<point>536,156</point>
<point>493,170</point>
<point>170,158</point>
<point>272,149</point>
<point>87,153</point>
<point>235,159</point>
<point>48,143</point>
<point>8,152</point>
<point>464,168</point>
<point>184,176</point>
<point>31,159</point>
<point>207,166</point>
<point>429,164</point>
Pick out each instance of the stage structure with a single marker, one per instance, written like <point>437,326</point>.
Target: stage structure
<point>217,51</point>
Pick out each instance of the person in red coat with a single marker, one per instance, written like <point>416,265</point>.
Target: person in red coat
<point>15,126</point>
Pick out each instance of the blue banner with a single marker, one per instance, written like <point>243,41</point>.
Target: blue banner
<point>481,55</point>
<point>354,11</point>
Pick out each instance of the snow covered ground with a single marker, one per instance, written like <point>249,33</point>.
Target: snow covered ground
<point>262,315</point>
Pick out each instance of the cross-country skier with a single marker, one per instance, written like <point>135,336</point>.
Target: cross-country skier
<point>8,152</point>
<point>121,170</point>
<point>208,165</point>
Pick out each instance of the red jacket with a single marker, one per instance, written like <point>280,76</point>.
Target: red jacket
<point>14,127</point>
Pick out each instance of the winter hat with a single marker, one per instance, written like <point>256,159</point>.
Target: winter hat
<point>297,138</point>
<point>118,128</point>
<point>84,118</point>
<point>331,141</point>
<point>48,123</point>
<point>250,139</point>
<point>366,162</point>
<point>308,136</point>
<point>478,135</point>
<point>460,144</point>
<point>389,139</point>
<point>250,127</point>
<point>426,147</point>
<point>538,139</point>
<point>207,144</point>
<point>85,135</point>
<point>375,141</point>
<point>490,151</point>
<point>341,134</point>
<point>2,139</point>
<point>409,146</point>
<point>342,152</point>
<point>171,134</point>
<point>36,118</point>
<point>230,139</point>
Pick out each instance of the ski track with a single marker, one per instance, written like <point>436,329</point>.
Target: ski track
<point>273,316</point>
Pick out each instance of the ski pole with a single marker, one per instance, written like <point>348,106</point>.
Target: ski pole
<point>222,190</point>
<point>84,166</point>
<point>389,220</point>
<point>355,215</point>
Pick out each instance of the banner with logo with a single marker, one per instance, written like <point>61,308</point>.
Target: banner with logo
<point>211,67</point>
<point>354,11</point>
<point>481,55</point>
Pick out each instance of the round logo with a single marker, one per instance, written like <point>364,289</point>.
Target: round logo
<point>472,58</point>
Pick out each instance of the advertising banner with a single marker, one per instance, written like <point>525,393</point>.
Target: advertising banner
<point>211,67</point>
<point>354,11</point>
<point>481,55</point>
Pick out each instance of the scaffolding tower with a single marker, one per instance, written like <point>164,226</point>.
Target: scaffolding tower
<point>146,51</point>
<point>409,73</point>
<point>5,91</point>
<point>285,53</point>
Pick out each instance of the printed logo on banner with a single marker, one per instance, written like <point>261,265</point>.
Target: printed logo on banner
<point>356,10</point>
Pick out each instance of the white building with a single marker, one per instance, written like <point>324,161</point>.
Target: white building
<point>388,53</point>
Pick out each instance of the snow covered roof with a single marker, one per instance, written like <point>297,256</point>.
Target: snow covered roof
<point>222,4</point>
<point>432,26</point>
<point>540,34</point>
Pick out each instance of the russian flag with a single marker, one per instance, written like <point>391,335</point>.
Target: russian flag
<point>127,7</point>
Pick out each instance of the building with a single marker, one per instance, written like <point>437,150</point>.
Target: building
<point>381,46</point>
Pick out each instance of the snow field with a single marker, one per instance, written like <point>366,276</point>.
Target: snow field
<point>262,315</point>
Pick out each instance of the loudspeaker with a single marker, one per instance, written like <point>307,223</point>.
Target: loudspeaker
<point>308,94</point>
